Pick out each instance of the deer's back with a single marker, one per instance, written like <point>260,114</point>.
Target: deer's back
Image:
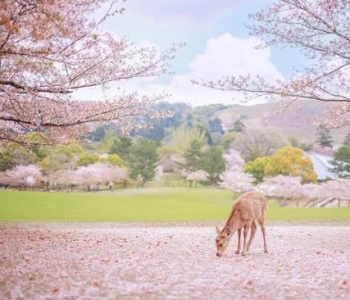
<point>249,206</point>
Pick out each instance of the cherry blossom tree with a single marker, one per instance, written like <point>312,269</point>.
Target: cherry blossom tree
<point>320,30</point>
<point>197,176</point>
<point>236,180</point>
<point>20,176</point>
<point>233,158</point>
<point>51,49</point>
<point>288,187</point>
<point>89,176</point>
<point>338,189</point>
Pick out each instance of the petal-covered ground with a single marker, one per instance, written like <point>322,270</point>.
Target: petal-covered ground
<point>142,261</point>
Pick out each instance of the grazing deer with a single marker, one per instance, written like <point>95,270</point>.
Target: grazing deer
<point>248,208</point>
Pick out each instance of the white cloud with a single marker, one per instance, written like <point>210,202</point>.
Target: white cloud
<point>224,55</point>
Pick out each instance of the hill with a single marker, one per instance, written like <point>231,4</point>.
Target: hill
<point>297,121</point>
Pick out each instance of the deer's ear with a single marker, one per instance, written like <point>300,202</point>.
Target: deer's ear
<point>218,230</point>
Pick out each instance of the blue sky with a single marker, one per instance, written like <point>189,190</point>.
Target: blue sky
<point>217,44</point>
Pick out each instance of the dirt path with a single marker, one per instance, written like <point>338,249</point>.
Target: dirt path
<point>113,261</point>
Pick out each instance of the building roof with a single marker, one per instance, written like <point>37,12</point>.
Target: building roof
<point>321,165</point>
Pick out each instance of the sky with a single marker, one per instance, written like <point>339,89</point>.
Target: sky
<point>217,44</point>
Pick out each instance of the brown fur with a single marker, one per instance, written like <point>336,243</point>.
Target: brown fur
<point>248,208</point>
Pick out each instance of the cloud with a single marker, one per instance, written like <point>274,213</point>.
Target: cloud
<point>224,55</point>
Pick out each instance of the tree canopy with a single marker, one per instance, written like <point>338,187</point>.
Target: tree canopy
<point>51,49</point>
<point>320,31</point>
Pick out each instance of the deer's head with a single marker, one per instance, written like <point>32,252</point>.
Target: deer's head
<point>222,240</point>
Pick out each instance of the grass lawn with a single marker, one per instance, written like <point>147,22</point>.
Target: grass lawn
<point>153,204</point>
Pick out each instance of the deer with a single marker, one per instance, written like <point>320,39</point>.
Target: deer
<point>248,209</point>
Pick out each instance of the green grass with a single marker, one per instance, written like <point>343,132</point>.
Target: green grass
<point>154,204</point>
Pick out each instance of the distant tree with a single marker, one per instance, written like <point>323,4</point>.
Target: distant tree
<point>87,159</point>
<point>6,161</point>
<point>238,126</point>
<point>121,146</point>
<point>193,157</point>
<point>234,177</point>
<point>306,147</point>
<point>143,159</point>
<point>255,142</point>
<point>289,161</point>
<point>257,168</point>
<point>98,134</point>
<point>214,164</point>
<point>159,127</point>
<point>189,120</point>
<point>347,140</point>
<point>215,125</point>
<point>90,176</point>
<point>236,180</point>
<point>208,137</point>
<point>228,139</point>
<point>115,160</point>
<point>14,154</point>
<point>324,137</point>
<point>62,157</point>
<point>197,176</point>
<point>287,188</point>
<point>293,141</point>
<point>182,137</point>
<point>337,189</point>
<point>21,176</point>
<point>233,158</point>
<point>341,162</point>
<point>207,134</point>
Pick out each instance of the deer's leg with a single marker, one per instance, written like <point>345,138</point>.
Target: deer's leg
<point>245,232</point>
<point>252,234</point>
<point>239,232</point>
<point>262,226</point>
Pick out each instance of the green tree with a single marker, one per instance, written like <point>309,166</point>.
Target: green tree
<point>62,157</point>
<point>143,159</point>
<point>87,159</point>
<point>121,146</point>
<point>99,133</point>
<point>214,164</point>
<point>215,125</point>
<point>341,162</point>
<point>6,161</point>
<point>347,140</point>
<point>293,141</point>
<point>182,138</point>
<point>238,126</point>
<point>324,137</point>
<point>115,160</point>
<point>193,156</point>
<point>14,154</point>
<point>290,161</point>
<point>228,139</point>
<point>257,168</point>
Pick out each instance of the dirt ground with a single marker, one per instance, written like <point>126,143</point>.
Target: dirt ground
<point>145,261</point>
